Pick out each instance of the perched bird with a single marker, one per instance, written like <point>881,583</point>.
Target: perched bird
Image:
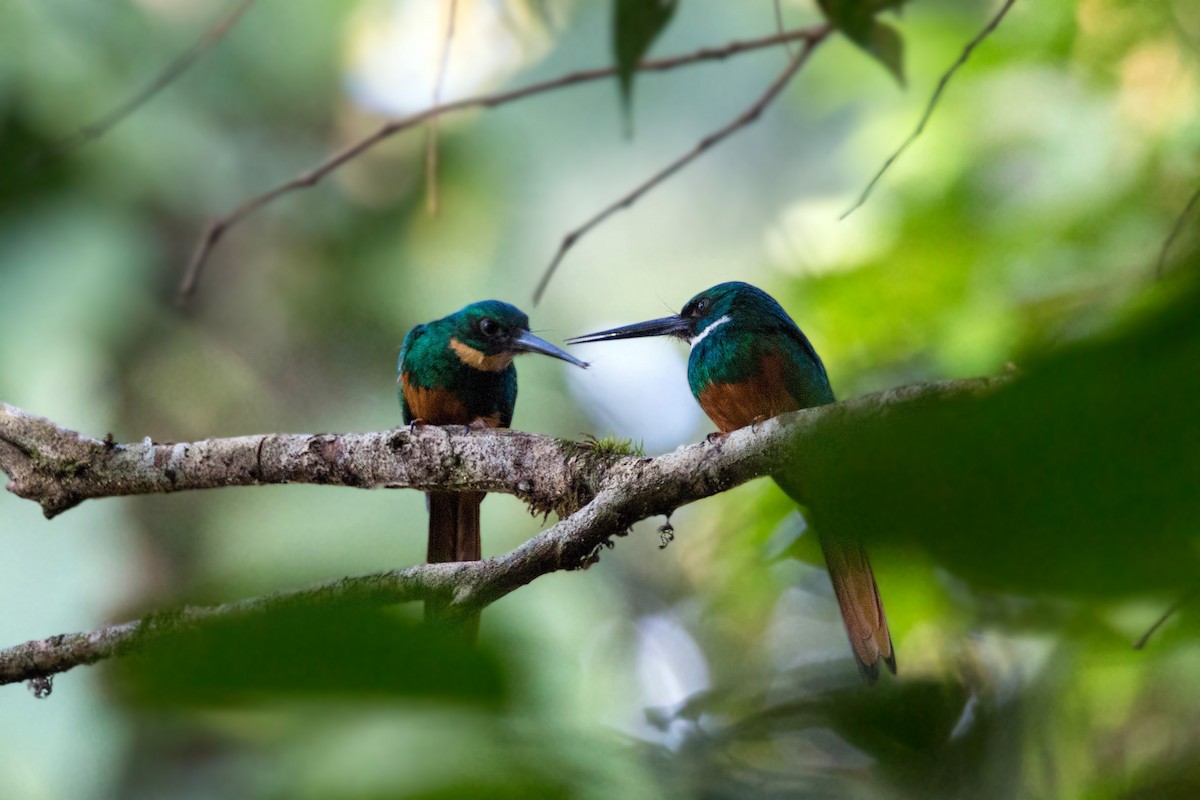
<point>458,370</point>
<point>750,362</point>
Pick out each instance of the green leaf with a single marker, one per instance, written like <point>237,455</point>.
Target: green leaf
<point>852,17</point>
<point>856,19</point>
<point>307,653</point>
<point>887,46</point>
<point>1077,478</point>
<point>636,24</point>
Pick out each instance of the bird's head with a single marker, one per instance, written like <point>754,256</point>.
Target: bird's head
<point>745,307</point>
<point>488,334</point>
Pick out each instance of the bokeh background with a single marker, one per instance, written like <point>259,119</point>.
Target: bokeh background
<point>1028,218</point>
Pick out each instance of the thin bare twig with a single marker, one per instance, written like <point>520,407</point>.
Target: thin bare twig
<point>779,27</point>
<point>933,101</point>
<point>213,36</point>
<point>742,120</point>
<point>431,140</point>
<point>1176,229</point>
<point>217,228</point>
<point>1166,615</point>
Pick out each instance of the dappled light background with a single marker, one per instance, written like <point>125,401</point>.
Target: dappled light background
<point>1029,216</point>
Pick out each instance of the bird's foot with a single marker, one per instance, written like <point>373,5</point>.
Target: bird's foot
<point>715,437</point>
<point>478,424</point>
<point>416,425</point>
<point>759,420</point>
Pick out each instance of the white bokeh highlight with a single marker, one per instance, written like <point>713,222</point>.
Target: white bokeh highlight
<point>637,389</point>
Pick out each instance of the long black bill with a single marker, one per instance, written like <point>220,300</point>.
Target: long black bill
<point>526,342</point>
<point>667,326</point>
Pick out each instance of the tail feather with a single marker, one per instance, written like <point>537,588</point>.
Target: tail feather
<point>862,609</point>
<point>454,526</point>
<point>453,536</point>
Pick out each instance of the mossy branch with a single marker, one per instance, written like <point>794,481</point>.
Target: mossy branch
<point>597,490</point>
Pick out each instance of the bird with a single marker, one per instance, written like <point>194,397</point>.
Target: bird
<point>749,362</point>
<point>458,370</point>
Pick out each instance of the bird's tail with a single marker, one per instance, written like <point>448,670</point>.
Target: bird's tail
<point>862,608</point>
<point>453,536</point>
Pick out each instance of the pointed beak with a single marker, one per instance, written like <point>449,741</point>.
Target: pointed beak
<point>526,342</point>
<point>667,326</point>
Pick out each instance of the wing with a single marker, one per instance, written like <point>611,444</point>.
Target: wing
<point>508,396</point>
<point>804,375</point>
<point>405,349</point>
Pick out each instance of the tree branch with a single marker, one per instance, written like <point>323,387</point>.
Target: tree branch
<point>597,496</point>
<point>59,468</point>
<point>716,137</point>
<point>218,227</point>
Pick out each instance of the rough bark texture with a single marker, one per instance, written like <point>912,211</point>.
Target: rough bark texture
<point>596,496</point>
<point>59,469</point>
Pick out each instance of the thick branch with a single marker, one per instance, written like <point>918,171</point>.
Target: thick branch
<point>604,497</point>
<point>218,227</point>
<point>59,469</point>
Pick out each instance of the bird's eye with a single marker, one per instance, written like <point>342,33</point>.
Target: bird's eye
<point>701,306</point>
<point>489,327</point>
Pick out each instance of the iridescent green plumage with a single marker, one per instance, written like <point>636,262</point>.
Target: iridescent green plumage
<point>428,360</point>
<point>749,362</point>
<point>458,370</point>
<point>756,327</point>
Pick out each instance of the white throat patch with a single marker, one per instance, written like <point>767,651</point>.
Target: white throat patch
<point>716,323</point>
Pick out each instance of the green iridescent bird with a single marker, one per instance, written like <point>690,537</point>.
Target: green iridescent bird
<point>750,362</point>
<point>458,370</point>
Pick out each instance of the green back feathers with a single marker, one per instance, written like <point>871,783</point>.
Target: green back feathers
<point>735,326</point>
<point>445,354</point>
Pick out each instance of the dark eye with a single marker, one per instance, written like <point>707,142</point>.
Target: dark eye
<point>489,327</point>
<point>701,306</point>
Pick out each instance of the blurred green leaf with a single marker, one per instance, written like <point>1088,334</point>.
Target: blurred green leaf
<point>1079,477</point>
<point>856,19</point>
<point>906,725</point>
<point>33,168</point>
<point>887,46</point>
<point>309,653</point>
<point>507,787</point>
<point>922,734</point>
<point>636,24</point>
<point>1170,781</point>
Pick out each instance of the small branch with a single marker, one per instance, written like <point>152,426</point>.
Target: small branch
<point>1166,615</point>
<point>217,228</point>
<point>610,495</point>
<point>213,36</point>
<point>1176,229</point>
<point>45,657</point>
<point>933,101</point>
<point>780,28</point>
<point>431,141</point>
<point>742,120</point>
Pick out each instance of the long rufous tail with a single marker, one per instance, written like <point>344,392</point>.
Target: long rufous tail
<point>862,608</point>
<point>453,536</point>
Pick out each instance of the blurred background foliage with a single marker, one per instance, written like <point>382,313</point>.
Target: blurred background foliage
<point>1022,230</point>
